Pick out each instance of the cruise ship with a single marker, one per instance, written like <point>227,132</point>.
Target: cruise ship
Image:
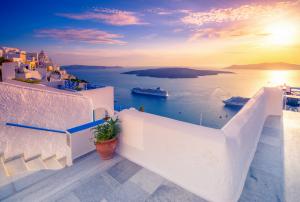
<point>151,92</point>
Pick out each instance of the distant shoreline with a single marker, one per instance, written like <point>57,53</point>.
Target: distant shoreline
<point>175,73</point>
<point>267,66</point>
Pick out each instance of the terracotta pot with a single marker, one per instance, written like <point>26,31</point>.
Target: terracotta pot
<point>106,149</point>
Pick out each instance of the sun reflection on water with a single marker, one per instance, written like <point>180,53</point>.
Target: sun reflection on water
<point>279,77</point>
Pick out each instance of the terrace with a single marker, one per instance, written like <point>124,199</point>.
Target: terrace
<point>254,157</point>
<point>272,176</point>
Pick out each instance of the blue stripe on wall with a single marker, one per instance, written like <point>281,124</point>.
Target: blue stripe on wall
<point>35,128</point>
<point>85,126</point>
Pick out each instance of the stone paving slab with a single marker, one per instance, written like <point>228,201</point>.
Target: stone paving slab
<point>70,197</point>
<point>268,159</point>
<point>128,192</point>
<point>147,180</point>
<point>173,193</point>
<point>262,186</point>
<point>95,188</point>
<point>124,170</point>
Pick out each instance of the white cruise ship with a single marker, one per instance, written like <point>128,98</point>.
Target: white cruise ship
<point>151,92</point>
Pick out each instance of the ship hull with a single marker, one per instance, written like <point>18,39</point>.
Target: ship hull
<point>148,94</point>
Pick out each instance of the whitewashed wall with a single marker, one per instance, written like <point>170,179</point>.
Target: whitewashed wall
<point>41,106</point>
<point>211,163</point>
<point>15,141</point>
<point>101,98</point>
<point>8,70</point>
<point>82,143</point>
<point>243,132</point>
<point>45,107</point>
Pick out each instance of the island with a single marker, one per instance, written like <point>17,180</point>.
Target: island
<point>176,72</point>
<point>90,67</point>
<point>267,66</point>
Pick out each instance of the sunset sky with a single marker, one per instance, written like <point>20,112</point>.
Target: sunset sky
<point>214,33</point>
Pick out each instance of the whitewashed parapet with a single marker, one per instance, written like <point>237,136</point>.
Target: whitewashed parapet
<point>46,107</point>
<point>101,98</point>
<point>244,129</point>
<point>42,108</point>
<point>211,163</point>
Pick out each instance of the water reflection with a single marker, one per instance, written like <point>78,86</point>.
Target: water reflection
<point>279,77</point>
<point>196,100</point>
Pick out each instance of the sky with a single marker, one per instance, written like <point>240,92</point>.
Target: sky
<point>195,33</point>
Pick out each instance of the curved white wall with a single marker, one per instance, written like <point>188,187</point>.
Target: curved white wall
<point>211,163</point>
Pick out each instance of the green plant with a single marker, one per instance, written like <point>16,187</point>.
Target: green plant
<point>78,80</point>
<point>142,108</point>
<point>32,81</point>
<point>107,131</point>
<point>78,88</point>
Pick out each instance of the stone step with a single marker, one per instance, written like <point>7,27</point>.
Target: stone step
<point>15,165</point>
<point>52,163</point>
<point>35,163</point>
<point>3,173</point>
<point>63,161</point>
<point>64,178</point>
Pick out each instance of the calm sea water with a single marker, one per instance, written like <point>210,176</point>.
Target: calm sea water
<point>197,101</point>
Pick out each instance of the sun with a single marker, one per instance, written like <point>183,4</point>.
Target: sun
<point>281,33</point>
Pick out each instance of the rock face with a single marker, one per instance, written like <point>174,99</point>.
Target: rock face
<point>267,66</point>
<point>176,72</point>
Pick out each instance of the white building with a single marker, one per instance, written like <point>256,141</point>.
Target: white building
<point>32,56</point>
<point>43,60</point>
<point>2,52</point>
<point>8,70</point>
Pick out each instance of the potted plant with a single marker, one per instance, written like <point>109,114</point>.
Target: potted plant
<point>106,138</point>
<point>142,108</point>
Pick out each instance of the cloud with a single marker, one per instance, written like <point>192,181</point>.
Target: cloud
<point>231,14</point>
<point>229,31</point>
<point>243,21</point>
<point>93,36</point>
<point>109,16</point>
<point>164,11</point>
<point>160,11</point>
<point>177,30</point>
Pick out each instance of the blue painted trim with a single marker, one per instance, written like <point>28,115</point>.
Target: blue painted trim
<point>34,128</point>
<point>85,126</point>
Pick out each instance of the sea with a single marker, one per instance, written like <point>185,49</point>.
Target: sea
<point>193,100</point>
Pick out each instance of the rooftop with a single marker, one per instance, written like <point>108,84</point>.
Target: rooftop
<point>273,175</point>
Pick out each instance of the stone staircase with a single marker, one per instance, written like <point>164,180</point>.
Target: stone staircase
<point>17,173</point>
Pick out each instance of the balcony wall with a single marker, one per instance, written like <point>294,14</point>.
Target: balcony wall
<point>211,163</point>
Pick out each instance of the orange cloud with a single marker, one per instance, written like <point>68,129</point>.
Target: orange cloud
<point>244,12</point>
<point>82,35</point>
<point>230,31</point>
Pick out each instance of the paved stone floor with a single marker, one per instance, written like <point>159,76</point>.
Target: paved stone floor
<point>91,179</point>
